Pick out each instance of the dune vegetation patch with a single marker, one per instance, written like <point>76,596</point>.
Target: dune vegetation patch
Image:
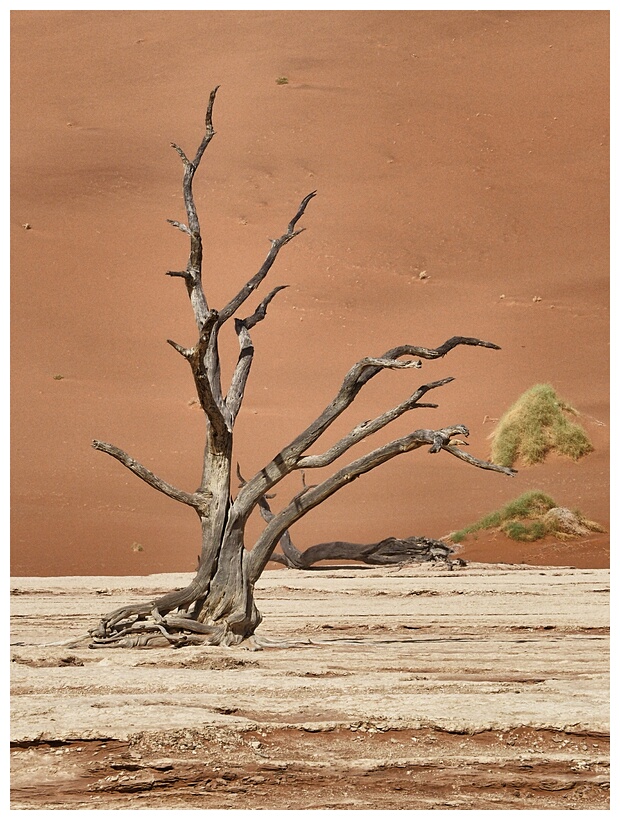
<point>530,517</point>
<point>535,425</point>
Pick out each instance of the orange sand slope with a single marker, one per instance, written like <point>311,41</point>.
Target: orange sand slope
<point>472,146</point>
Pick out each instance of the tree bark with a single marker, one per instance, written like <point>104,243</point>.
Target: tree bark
<point>218,606</point>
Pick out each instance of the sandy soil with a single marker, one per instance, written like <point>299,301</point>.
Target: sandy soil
<point>484,687</point>
<point>470,147</point>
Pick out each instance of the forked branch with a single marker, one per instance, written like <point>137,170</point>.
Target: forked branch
<point>200,359</point>
<point>234,397</point>
<point>276,244</point>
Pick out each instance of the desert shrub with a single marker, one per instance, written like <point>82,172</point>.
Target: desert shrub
<point>528,505</point>
<point>536,424</point>
<point>531,504</point>
<point>530,517</point>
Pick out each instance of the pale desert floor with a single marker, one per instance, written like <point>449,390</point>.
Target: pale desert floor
<point>484,687</point>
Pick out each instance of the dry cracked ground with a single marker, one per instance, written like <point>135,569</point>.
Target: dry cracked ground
<point>483,687</point>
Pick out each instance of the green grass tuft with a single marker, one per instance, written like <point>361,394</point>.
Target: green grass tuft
<point>532,504</point>
<point>525,519</point>
<point>535,425</point>
<point>519,531</point>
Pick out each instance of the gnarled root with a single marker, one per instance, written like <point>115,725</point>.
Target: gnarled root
<point>143,626</point>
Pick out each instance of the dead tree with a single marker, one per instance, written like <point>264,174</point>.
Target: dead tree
<point>218,607</point>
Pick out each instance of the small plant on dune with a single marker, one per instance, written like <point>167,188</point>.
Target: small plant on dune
<point>282,80</point>
<point>532,504</point>
<point>535,425</point>
<point>531,517</point>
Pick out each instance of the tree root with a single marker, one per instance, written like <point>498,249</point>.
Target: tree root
<point>132,628</point>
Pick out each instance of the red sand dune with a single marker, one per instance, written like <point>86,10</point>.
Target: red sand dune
<point>471,145</point>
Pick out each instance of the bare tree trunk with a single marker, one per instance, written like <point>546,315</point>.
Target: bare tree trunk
<point>218,607</point>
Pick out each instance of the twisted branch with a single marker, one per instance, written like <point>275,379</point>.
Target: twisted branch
<point>429,352</point>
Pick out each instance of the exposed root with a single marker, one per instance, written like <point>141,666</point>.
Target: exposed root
<point>132,628</point>
<point>259,642</point>
<point>70,642</point>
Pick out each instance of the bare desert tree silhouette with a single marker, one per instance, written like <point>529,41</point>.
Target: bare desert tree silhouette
<point>218,607</point>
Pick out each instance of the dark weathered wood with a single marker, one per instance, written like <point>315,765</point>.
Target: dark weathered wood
<point>386,552</point>
<point>217,606</point>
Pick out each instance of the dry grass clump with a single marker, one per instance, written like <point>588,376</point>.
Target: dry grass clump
<point>531,517</point>
<point>535,425</point>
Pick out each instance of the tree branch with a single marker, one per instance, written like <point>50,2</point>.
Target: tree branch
<point>429,352</point>
<point>476,462</point>
<point>291,553</point>
<point>202,360</point>
<point>261,311</point>
<point>180,225</point>
<point>367,428</point>
<point>286,460</point>
<point>180,274</point>
<point>234,397</point>
<point>235,303</point>
<point>212,364</point>
<point>191,499</point>
<point>270,536</point>
<point>209,131</point>
<point>193,273</point>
